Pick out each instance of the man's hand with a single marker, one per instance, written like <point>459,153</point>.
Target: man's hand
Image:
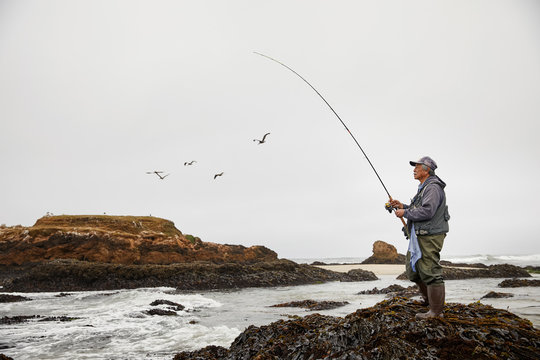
<point>400,213</point>
<point>396,204</point>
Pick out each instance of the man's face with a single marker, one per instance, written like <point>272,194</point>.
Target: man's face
<point>419,172</point>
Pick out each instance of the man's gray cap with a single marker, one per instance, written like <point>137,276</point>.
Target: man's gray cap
<point>425,160</point>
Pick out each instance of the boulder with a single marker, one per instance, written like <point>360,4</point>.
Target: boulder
<point>384,253</point>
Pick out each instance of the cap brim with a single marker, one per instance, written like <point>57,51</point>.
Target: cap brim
<point>414,163</point>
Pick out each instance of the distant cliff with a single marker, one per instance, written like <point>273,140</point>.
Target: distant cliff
<point>116,239</point>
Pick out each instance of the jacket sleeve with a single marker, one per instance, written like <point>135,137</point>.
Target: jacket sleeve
<point>430,202</point>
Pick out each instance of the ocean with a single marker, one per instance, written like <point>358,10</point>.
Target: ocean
<point>115,325</point>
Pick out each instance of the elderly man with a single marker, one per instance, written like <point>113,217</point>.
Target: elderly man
<point>427,223</point>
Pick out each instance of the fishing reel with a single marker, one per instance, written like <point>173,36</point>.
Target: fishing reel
<point>389,207</point>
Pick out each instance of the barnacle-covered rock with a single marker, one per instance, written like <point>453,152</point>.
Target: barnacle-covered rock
<point>387,330</point>
<point>518,283</point>
<point>313,305</point>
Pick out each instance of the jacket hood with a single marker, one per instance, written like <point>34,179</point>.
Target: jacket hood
<point>436,180</point>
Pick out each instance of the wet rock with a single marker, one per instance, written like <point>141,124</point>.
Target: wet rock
<point>492,271</point>
<point>161,312</point>
<point>384,253</point>
<point>6,298</point>
<point>387,330</point>
<point>4,357</point>
<point>393,290</point>
<point>518,283</point>
<point>59,318</point>
<point>74,275</point>
<point>313,305</point>
<point>62,295</point>
<point>359,275</point>
<point>451,264</point>
<point>496,295</point>
<point>10,320</point>
<point>172,305</point>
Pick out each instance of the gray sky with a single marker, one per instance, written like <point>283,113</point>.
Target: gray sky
<point>93,94</point>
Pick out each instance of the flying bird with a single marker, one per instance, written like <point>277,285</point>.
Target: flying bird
<point>215,176</point>
<point>158,173</point>
<point>263,139</point>
<point>189,163</point>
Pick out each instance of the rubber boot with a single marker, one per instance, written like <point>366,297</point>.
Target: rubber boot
<point>436,302</point>
<point>423,291</point>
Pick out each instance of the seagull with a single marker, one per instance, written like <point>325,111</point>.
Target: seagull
<point>158,174</point>
<point>263,139</point>
<point>189,163</point>
<point>215,176</point>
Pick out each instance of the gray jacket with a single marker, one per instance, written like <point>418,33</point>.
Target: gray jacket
<point>428,210</point>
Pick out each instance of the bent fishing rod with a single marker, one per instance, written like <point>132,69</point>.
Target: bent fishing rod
<point>343,123</point>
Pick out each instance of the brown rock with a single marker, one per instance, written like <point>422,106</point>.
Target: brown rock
<point>118,240</point>
<point>384,253</point>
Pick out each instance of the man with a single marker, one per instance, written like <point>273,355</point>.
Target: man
<point>427,223</point>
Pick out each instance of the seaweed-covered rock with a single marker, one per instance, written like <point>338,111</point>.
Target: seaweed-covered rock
<point>313,305</point>
<point>387,330</point>
<point>171,304</point>
<point>492,271</point>
<point>161,312</point>
<point>496,295</point>
<point>393,290</point>
<point>359,275</point>
<point>73,275</point>
<point>518,283</point>
<point>6,298</point>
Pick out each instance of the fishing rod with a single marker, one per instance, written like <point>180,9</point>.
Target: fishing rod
<point>387,206</point>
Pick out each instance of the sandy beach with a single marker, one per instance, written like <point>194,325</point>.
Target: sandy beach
<point>377,269</point>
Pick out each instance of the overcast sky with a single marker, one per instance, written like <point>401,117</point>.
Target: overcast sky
<point>93,94</point>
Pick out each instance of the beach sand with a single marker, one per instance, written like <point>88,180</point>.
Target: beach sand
<point>377,269</point>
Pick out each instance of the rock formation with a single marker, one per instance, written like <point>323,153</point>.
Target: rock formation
<point>76,253</point>
<point>116,239</point>
<point>384,253</point>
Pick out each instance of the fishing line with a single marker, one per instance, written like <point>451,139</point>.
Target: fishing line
<point>335,113</point>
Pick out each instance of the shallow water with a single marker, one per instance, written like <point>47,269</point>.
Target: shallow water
<point>113,324</point>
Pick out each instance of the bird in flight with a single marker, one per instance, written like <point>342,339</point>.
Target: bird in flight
<point>263,139</point>
<point>158,173</point>
<point>190,162</point>
<point>215,176</point>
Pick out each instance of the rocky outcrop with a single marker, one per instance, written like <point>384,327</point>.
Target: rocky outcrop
<point>387,330</point>
<point>384,253</point>
<point>6,298</point>
<point>511,283</point>
<point>496,295</point>
<point>393,291</point>
<point>492,271</point>
<point>73,275</point>
<point>118,240</point>
<point>313,305</point>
